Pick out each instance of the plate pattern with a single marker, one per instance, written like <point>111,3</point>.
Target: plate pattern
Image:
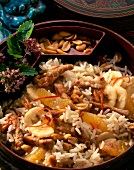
<point>100,8</point>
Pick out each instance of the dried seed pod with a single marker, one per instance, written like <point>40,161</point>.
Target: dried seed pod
<point>77,42</point>
<point>60,51</point>
<point>81,47</point>
<point>66,46</point>
<point>64,33</point>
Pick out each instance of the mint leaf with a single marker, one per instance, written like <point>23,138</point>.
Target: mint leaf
<point>27,70</point>
<point>14,47</point>
<point>2,67</point>
<point>25,30</point>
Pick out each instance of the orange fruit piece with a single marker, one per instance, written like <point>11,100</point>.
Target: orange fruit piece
<point>38,155</point>
<point>95,121</point>
<point>48,99</point>
<point>114,147</point>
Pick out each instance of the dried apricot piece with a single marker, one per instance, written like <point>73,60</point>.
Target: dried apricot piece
<point>48,99</point>
<point>38,155</point>
<point>95,121</point>
<point>114,147</point>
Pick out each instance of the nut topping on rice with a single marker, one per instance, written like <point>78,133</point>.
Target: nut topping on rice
<point>72,116</point>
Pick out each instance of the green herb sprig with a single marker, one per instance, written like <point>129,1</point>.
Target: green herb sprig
<point>15,67</point>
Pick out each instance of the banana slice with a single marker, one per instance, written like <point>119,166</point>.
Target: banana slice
<point>41,131</point>
<point>31,90</point>
<point>33,116</point>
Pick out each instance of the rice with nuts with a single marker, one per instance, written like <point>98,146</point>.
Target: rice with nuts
<point>72,116</point>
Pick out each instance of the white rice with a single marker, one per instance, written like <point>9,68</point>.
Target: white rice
<point>80,155</point>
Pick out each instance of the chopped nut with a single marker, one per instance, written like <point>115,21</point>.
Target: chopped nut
<point>26,103</point>
<point>72,140</point>
<point>52,161</point>
<point>26,148</point>
<point>67,136</point>
<point>67,146</point>
<point>76,98</point>
<point>57,136</point>
<point>82,106</point>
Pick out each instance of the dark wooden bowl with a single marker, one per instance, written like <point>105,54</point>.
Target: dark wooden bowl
<point>109,43</point>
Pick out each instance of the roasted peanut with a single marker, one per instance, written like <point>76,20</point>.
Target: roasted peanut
<point>87,51</point>
<point>77,42</point>
<point>64,33</point>
<point>66,46</point>
<point>57,37</point>
<point>61,43</point>
<point>64,42</point>
<point>60,51</point>
<point>69,37</point>
<point>81,47</point>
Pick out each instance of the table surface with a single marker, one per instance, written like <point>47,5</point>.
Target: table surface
<point>123,26</point>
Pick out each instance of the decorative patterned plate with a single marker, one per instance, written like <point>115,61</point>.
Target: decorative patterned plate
<point>100,8</point>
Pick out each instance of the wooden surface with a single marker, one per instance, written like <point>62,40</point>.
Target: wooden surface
<point>122,25</point>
